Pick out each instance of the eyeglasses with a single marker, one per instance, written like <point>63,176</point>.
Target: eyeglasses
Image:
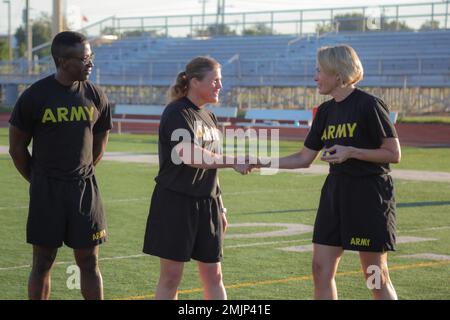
<point>86,59</point>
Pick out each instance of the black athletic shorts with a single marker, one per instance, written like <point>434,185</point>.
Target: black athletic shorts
<point>357,213</point>
<point>181,227</point>
<point>68,211</point>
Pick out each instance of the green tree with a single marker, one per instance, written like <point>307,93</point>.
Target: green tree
<point>140,33</point>
<point>356,22</point>
<point>130,33</point>
<point>429,25</point>
<point>259,29</point>
<point>109,31</point>
<point>343,22</point>
<point>350,21</point>
<point>3,49</point>
<point>215,30</point>
<point>42,33</point>
<point>324,28</point>
<point>387,25</point>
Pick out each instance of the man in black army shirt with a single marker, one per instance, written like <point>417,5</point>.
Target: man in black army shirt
<point>68,119</point>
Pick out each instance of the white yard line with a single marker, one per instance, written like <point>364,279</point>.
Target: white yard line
<point>416,175</point>
<point>427,256</point>
<point>146,255</point>
<point>424,229</point>
<point>104,201</point>
<point>237,246</point>
<point>73,262</point>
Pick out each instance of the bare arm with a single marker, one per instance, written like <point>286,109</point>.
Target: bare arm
<point>302,159</point>
<point>222,213</point>
<point>18,149</point>
<point>221,205</point>
<point>389,152</point>
<point>99,146</point>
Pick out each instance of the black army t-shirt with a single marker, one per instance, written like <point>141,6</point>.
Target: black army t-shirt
<point>182,121</point>
<point>360,120</point>
<point>62,121</point>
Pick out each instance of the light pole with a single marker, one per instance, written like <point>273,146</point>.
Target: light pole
<point>203,2</point>
<point>8,2</point>
<point>29,33</point>
<point>57,21</point>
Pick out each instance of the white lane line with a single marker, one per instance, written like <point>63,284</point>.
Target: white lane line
<point>299,248</point>
<point>148,198</point>
<point>145,255</point>
<point>13,208</point>
<point>424,229</point>
<point>264,243</point>
<point>105,201</point>
<point>288,229</point>
<point>14,268</point>
<point>404,239</point>
<point>427,256</point>
<point>415,175</point>
<point>73,262</point>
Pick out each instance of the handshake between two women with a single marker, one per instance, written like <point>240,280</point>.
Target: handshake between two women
<point>195,156</point>
<point>245,164</point>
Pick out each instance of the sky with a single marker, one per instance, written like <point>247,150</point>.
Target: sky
<point>100,9</point>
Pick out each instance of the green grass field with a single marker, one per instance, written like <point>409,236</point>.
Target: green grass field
<point>254,268</point>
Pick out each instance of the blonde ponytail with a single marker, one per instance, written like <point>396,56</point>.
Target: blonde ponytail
<point>180,88</point>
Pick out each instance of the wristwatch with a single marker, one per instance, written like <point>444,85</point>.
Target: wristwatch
<point>223,210</point>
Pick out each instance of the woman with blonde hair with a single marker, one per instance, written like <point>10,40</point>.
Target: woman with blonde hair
<point>187,217</point>
<point>357,205</point>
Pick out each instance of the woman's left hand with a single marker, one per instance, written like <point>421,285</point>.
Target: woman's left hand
<point>336,154</point>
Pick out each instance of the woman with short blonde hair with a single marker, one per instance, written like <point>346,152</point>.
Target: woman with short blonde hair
<point>357,205</point>
<point>341,60</point>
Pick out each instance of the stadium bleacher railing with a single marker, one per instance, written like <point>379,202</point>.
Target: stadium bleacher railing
<point>298,22</point>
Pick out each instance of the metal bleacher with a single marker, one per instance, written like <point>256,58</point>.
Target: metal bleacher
<point>138,69</point>
<point>389,58</point>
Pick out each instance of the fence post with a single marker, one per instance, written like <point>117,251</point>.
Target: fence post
<point>364,20</point>
<point>271,22</point>
<point>166,27</point>
<point>301,23</point>
<point>446,14</point>
<point>397,22</point>
<point>432,15</point>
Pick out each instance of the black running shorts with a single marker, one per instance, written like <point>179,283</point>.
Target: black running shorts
<point>181,227</point>
<point>68,211</point>
<point>357,213</point>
